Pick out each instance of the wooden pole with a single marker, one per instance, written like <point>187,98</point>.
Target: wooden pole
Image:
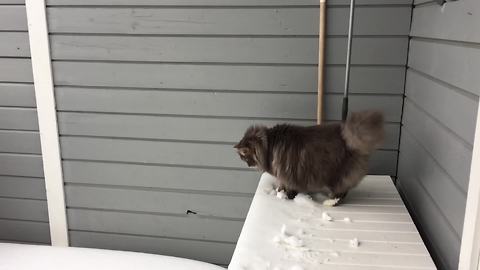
<point>321,60</point>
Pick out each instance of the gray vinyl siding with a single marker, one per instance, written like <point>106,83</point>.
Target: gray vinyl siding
<point>152,95</point>
<point>439,116</point>
<point>23,206</point>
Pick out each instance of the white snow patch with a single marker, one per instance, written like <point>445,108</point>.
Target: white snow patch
<point>281,195</point>
<point>330,240</point>
<point>300,232</point>
<point>304,255</point>
<point>303,199</point>
<point>296,267</point>
<point>277,239</point>
<point>354,243</point>
<point>347,219</point>
<point>326,216</point>
<point>294,241</point>
<point>334,254</point>
<point>300,220</point>
<point>289,240</point>
<point>326,260</point>
<point>272,193</point>
<point>331,202</point>
<point>268,189</point>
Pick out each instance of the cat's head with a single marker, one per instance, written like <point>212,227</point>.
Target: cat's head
<point>252,147</point>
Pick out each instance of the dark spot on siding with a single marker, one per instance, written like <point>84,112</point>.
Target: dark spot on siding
<point>191,212</point>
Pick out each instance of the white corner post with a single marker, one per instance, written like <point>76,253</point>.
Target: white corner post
<point>47,120</point>
<point>470,249</point>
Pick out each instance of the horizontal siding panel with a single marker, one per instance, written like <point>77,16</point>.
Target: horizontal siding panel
<point>178,153</point>
<point>383,163</point>
<point>15,69</point>
<point>380,51</point>
<point>155,225</point>
<point>367,50</point>
<point>13,18</point>
<point>455,64</point>
<point>267,105</point>
<point>165,177</point>
<point>22,187</point>
<point>364,79</point>
<point>24,231</point>
<point>225,21</point>
<point>444,241</point>
<point>436,182</point>
<point>33,210</point>
<point>457,21</point>
<point>176,128</point>
<point>21,165</point>
<point>434,97</point>
<point>227,77</point>
<point>2,2</point>
<point>17,94</point>
<point>213,252</point>
<point>448,150</point>
<point>218,2</point>
<point>18,118</point>
<point>148,200</point>
<point>419,2</point>
<point>26,142</point>
<point>201,179</point>
<point>14,44</point>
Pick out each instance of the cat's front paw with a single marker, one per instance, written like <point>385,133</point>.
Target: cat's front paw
<point>331,202</point>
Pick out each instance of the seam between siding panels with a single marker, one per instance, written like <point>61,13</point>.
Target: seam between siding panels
<point>438,122</point>
<point>379,36</point>
<point>24,220</point>
<point>153,213</point>
<point>154,236</point>
<point>451,178</point>
<point>159,189</point>
<point>215,63</point>
<point>461,91</point>
<point>303,6</point>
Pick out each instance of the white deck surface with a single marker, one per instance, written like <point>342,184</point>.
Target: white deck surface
<point>373,213</point>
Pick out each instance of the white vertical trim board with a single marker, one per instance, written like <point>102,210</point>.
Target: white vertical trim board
<point>47,120</point>
<point>470,249</point>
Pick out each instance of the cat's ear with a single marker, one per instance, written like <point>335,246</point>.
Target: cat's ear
<point>261,134</point>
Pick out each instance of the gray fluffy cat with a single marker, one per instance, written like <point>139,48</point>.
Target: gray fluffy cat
<point>329,158</point>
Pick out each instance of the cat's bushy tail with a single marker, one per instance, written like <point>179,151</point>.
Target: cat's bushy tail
<point>363,131</point>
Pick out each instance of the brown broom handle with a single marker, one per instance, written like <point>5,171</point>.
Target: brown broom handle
<point>321,59</point>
